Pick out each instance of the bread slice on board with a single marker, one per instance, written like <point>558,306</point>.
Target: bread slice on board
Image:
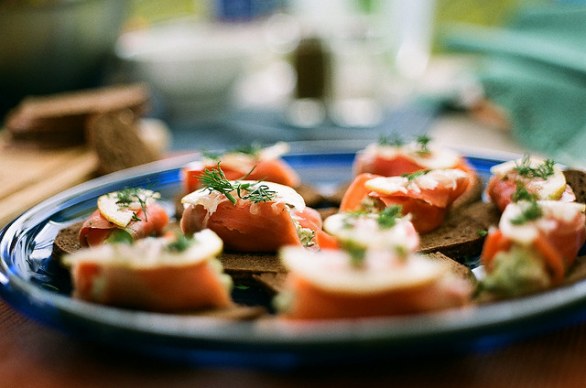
<point>59,120</point>
<point>115,138</point>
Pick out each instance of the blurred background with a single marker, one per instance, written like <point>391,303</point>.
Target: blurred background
<point>227,72</point>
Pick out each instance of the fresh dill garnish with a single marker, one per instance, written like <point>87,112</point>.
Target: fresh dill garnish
<point>393,140</point>
<point>215,180</point>
<point>128,196</point>
<point>249,149</point>
<point>521,194</point>
<point>423,142</point>
<point>211,155</point>
<point>387,218</point>
<point>415,174</point>
<point>120,236</point>
<point>180,244</point>
<point>350,217</point>
<point>530,213</point>
<point>257,192</point>
<point>543,171</point>
<point>357,253</point>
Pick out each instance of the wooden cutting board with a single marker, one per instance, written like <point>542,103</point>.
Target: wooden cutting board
<point>28,176</point>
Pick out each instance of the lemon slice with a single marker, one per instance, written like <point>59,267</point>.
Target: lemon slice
<point>551,187</point>
<point>120,207</point>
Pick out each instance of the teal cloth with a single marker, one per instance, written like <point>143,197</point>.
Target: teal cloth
<point>535,69</point>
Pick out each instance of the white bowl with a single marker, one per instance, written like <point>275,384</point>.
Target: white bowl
<point>192,66</point>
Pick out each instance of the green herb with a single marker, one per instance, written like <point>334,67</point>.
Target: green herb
<point>257,192</point>
<point>414,175</point>
<point>215,180</point>
<point>357,253</point>
<point>387,218</point>
<point>482,232</point>
<point>402,252</point>
<point>211,155</point>
<point>125,197</point>
<point>251,149</point>
<point>521,194</point>
<point>393,140</point>
<point>423,142</point>
<point>530,213</point>
<point>180,244</point>
<point>543,171</point>
<point>119,236</point>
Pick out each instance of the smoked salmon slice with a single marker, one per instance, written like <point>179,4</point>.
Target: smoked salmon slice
<point>535,244</point>
<point>541,179</point>
<point>395,158</point>
<point>147,218</point>
<point>425,195</point>
<point>256,163</point>
<point>324,285</point>
<point>251,216</point>
<point>154,274</point>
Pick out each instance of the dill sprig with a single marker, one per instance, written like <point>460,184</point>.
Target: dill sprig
<point>249,149</point>
<point>522,194</point>
<point>543,171</point>
<point>387,218</point>
<point>213,155</point>
<point>415,175</point>
<point>215,180</point>
<point>393,139</point>
<point>357,253</point>
<point>423,143</point>
<point>257,192</point>
<point>180,244</point>
<point>530,213</point>
<point>127,196</point>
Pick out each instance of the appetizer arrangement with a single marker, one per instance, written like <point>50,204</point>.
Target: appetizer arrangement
<point>399,238</point>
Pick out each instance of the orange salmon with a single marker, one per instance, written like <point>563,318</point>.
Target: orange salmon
<point>249,226</point>
<point>149,276</point>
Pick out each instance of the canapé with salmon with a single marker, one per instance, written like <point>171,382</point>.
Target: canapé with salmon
<point>250,216</point>
<point>167,274</point>
<point>128,214</point>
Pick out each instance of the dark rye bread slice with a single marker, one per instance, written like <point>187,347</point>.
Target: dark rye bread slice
<point>59,120</point>
<point>67,241</point>
<point>577,181</point>
<point>462,234</point>
<point>245,265</point>
<point>310,194</point>
<point>116,140</point>
<point>274,282</point>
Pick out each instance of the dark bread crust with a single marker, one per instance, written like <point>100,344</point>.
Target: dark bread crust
<point>60,119</point>
<point>462,234</point>
<point>115,138</point>
<point>67,241</point>
<point>577,181</point>
<point>311,196</point>
<point>243,265</point>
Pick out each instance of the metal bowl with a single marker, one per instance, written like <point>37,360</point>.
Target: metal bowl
<point>55,45</point>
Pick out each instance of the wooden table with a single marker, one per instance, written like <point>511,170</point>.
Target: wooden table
<point>35,356</point>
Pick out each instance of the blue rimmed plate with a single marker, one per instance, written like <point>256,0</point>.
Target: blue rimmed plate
<point>33,284</point>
